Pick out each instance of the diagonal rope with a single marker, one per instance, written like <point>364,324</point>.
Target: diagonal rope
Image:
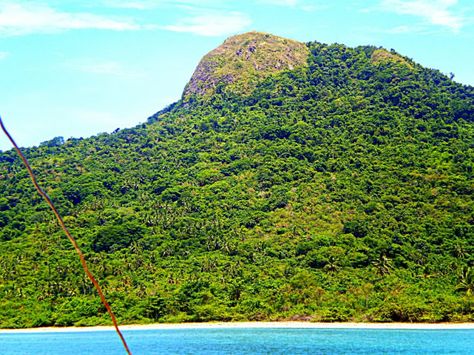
<point>70,237</point>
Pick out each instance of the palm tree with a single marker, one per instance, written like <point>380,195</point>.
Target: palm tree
<point>383,265</point>
<point>466,282</point>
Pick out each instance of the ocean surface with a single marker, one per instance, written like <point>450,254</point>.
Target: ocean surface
<point>243,341</point>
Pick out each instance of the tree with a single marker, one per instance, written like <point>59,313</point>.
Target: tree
<point>466,281</point>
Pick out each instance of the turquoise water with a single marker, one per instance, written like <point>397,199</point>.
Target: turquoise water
<point>244,341</point>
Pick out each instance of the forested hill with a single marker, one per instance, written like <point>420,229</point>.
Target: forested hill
<point>334,188</point>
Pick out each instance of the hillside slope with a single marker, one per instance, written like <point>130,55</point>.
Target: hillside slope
<point>340,189</point>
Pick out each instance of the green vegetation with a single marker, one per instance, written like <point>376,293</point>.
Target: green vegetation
<point>341,190</point>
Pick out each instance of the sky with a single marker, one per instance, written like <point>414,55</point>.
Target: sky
<point>78,68</point>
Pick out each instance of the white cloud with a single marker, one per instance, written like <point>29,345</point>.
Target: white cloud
<point>3,55</point>
<point>27,18</point>
<point>436,12</point>
<point>213,24</point>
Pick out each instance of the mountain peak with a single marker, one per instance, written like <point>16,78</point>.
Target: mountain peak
<point>244,60</point>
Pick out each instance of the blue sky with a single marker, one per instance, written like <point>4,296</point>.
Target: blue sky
<point>77,68</point>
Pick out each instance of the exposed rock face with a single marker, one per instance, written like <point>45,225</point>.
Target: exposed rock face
<point>244,60</point>
<point>382,56</point>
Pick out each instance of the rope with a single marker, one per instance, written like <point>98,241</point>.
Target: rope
<point>70,237</point>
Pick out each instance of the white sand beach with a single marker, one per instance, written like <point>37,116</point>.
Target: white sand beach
<point>227,325</point>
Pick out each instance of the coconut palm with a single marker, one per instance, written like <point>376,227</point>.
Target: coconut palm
<point>466,282</point>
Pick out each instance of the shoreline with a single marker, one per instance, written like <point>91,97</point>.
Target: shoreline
<point>253,325</point>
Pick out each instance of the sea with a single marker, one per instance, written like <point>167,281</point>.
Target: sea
<point>243,341</point>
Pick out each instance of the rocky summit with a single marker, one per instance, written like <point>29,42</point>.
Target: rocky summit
<point>242,61</point>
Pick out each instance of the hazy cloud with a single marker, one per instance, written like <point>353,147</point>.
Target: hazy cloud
<point>17,18</point>
<point>3,55</point>
<point>136,5</point>
<point>418,29</point>
<point>290,3</point>
<point>211,24</point>
<point>102,67</point>
<point>130,5</point>
<point>436,12</point>
<point>403,29</point>
<point>303,5</point>
<point>152,4</point>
